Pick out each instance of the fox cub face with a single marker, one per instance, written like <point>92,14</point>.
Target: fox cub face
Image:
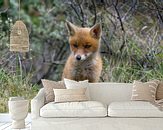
<point>84,42</point>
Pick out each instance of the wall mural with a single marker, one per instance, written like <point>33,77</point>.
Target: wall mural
<point>102,41</point>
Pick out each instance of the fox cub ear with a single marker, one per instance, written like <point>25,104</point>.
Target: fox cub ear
<point>96,31</point>
<point>71,28</point>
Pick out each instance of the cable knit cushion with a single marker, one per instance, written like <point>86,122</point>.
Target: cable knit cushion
<point>70,95</point>
<point>159,93</point>
<point>71,84</point>
<point>144,91</point>
<point>49,86</point>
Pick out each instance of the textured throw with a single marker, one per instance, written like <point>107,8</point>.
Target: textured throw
<point>159,96</point>
<point>159,104</point>
<point>159,93</point>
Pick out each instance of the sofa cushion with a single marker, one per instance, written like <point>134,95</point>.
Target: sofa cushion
<point>133,109</point>
<point>49,85</point>
<point>72,84</point>
<point>74,109</point>
<point>144,91</point>
<point>70,95</point>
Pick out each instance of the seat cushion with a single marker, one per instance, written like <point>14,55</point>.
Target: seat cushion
<point>74,109</point>
<point>133,109</point>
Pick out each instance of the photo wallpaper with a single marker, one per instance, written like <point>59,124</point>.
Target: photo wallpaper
<point>98,40</point>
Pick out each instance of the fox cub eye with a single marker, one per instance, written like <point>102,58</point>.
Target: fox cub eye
<point>75,45</point>
<point>87,46</point>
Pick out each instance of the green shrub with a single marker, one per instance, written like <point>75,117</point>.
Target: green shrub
<point>12,85</point>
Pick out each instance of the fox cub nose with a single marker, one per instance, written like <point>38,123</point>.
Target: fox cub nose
<point>78,57</point>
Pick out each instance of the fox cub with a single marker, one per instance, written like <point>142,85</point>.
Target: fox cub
<point>84,61</point>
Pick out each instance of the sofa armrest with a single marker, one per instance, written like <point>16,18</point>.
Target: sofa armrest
<point>36,103</point>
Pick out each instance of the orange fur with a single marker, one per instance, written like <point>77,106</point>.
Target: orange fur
<point>87,44</point>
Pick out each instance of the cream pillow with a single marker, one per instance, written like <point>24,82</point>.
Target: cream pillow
<point>70,95</point>
<point>159,93</point>
<point>71,84</point>
<point>144,91</point>
<point>49,86</point>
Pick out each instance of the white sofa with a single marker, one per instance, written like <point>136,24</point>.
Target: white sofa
<point>116,113</point>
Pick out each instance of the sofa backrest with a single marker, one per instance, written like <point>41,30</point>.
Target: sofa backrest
<point>109,92</point>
